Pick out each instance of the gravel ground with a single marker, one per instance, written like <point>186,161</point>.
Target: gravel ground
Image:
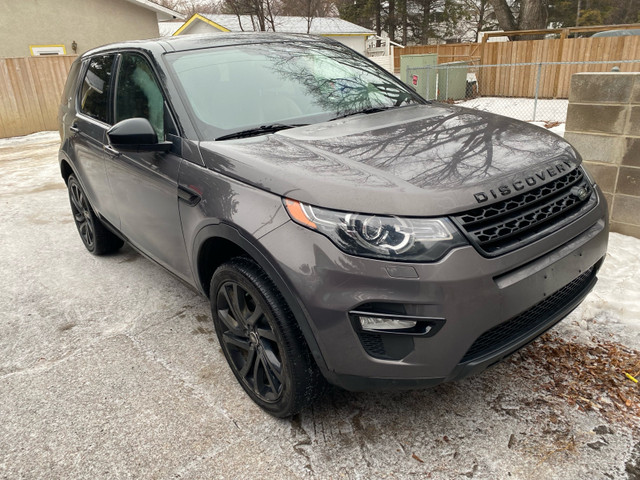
<point>109,368</point>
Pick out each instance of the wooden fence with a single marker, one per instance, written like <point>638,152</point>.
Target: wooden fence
<point>521,81</point>
<point>30,88</point>
<point>30,91</point>
<point>450,52</point>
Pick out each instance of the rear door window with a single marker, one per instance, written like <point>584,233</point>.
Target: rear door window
<point>96,88</point>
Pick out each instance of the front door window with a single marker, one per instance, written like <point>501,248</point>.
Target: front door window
<point>138,93</point>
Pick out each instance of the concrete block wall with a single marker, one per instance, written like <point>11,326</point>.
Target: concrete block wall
<point>603,124</point>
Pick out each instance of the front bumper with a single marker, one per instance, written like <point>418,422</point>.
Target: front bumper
<point>472,293</point>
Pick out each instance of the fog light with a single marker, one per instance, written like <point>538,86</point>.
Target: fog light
<point>396,323</point>
<point>374,324</point>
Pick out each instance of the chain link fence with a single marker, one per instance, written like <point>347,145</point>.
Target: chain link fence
<point>532,92</point>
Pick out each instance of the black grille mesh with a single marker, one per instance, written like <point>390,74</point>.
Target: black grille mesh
<point>485,213</point>
<point>373,345</point>
<point>512,223</point>
<point>511,330</point>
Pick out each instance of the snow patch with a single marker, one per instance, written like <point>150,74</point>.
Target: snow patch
<point>618,291</point>
<point>612,309</point>
<point>548,110</point>
<point>34,138</point>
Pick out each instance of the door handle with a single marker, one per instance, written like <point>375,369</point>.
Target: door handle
<point>110,150</point>
<point>74,128</point>
<point>190,196</point>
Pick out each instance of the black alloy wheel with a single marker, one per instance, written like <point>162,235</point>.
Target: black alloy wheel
<point>95,236</point>
<point>82,215</point>
<point>261,340</point>
<point>250,341</point>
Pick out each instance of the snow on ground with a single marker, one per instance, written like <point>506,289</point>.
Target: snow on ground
<point>109,365</point>
<point>547,110</point>
<point>40,137</point>
<point>612,310</point>
<point>619,289</point>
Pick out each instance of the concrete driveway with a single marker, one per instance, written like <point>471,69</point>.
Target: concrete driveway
<point>109,368</point>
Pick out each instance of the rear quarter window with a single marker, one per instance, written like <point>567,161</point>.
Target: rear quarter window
<point>95,91</point>
<point>70,85</point>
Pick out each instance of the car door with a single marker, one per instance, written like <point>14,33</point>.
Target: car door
<point>89,129</point>
<point>145,184</point>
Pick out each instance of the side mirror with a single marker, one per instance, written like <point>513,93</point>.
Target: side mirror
<point>136,135</point>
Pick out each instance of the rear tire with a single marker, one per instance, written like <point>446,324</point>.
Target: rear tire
<point>261,339</point>
<point>95,236</point>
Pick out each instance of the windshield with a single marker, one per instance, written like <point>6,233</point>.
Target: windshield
<point>243,87</point>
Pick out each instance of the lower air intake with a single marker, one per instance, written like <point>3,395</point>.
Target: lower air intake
<point>528,321</point>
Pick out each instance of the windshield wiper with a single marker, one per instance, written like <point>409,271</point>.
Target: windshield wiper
<point>365,110</point>
<point>261,130</point>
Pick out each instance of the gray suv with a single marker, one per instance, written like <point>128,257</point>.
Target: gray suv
<point>344,228</point>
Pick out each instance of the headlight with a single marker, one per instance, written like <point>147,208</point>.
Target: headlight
<point>376,236</point>
<point>587,174</point>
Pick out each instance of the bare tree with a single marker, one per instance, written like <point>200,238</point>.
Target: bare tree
<point>262,13</point>
<point>270,11</point>
<point>505,16</point>
<point>309,13</point>
<point>391,20</point>
<point>480,14</point>
<point>425,21</point>
<point>236,7</point>
<point>532,15</point>
<point>190,7</point>
<point>309,9</point>
<point>404,20</point>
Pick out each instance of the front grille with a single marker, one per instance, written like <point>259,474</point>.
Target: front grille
<point>509,224</point>
<point>509,331</point>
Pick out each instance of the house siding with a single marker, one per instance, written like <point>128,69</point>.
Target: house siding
<point>199,27</point>
<point>356,42</point>
<point>90,23</point>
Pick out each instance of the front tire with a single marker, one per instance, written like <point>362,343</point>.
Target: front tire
<point>261,339</point>
<point>95,236</point>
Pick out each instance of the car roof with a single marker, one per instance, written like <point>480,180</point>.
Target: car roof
<point>192,42</point>
<point>617,33</point>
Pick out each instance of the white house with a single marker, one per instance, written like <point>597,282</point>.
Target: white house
<point>52,27</point>
<point>345,32</point>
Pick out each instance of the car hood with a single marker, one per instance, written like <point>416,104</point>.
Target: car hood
<point>421,160</point>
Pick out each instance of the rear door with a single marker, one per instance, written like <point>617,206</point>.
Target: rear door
<point>89,129</point>
<point>145,184</point>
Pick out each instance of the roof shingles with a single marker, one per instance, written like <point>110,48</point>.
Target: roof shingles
<point>319,25</point>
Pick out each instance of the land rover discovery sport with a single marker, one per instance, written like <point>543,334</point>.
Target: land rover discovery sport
<point>343,227</point>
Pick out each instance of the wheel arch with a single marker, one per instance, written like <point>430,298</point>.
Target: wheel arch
<point>215,244</point>
<point>66,170</point>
